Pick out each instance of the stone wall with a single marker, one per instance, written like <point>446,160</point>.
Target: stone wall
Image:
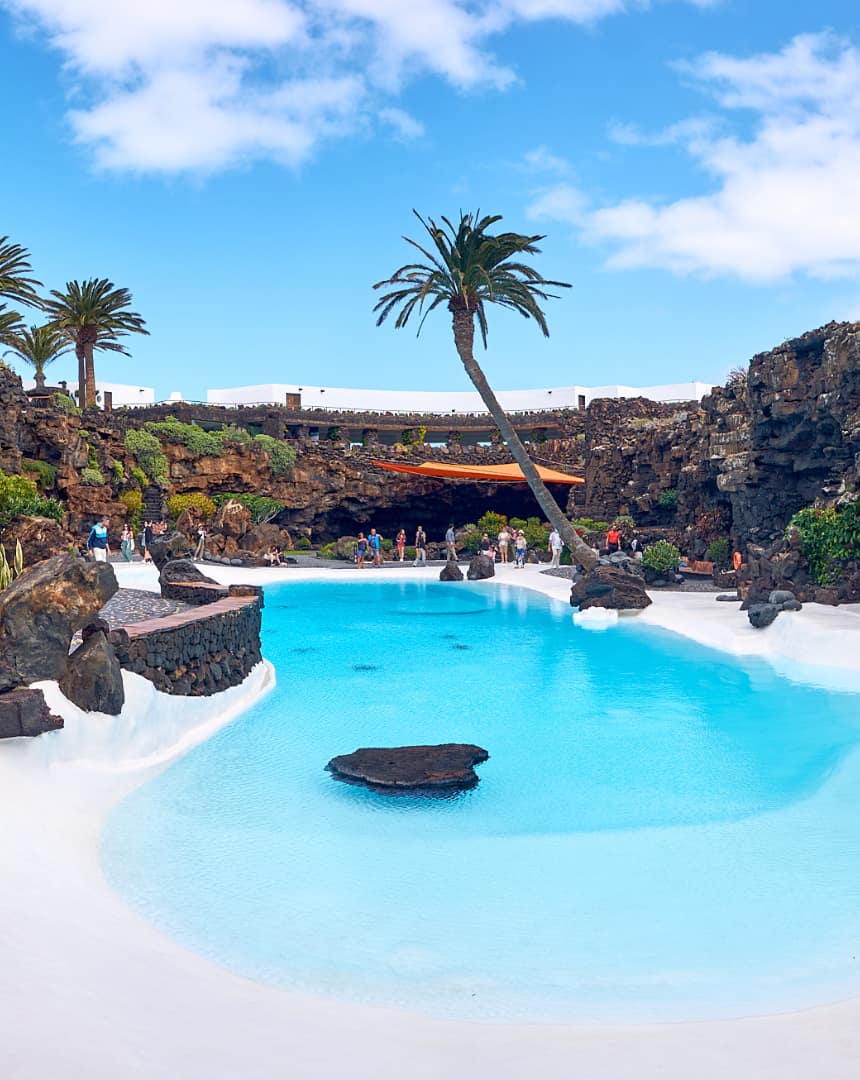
<point>199,652</point>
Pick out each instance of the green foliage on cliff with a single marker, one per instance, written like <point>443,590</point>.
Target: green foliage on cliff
<point>662,556</point>
<point>830,536</point>
<point>263,509</point>
<point>197,439</point>
<point>719,552</point>
<point>147,450</point>
<point>668,499</point>
<point>46,475</point>
<point>92,477</point>
<point>65,404</point>
<point>134,504</point>
<point>200,506</point>
<point>18,496</point>
<point>282,457</point>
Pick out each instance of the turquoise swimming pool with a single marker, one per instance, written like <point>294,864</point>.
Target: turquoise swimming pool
<point>661,832</point>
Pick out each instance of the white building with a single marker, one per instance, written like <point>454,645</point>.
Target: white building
<point>441,401</point>
<point>122,393</point>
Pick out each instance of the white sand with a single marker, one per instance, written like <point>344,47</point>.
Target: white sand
<point>91,990</point>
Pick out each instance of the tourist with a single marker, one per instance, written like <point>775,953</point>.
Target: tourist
<point>147,541</point>
<point>636,548</point>
<point>126,544</point>
<point>401,545</point>
<point>613,539</point>
<point>374,544</point>
<point>420,547</point>
<point>554,545</point>
<point>273,557</point>
<point>201,541</point>
<point>451,543</point>
<point>504,539</point>
<point>97,541</point>
<point>486,547</point>
<point>737,561</point>
<point>520,548</point>
<point>361,550</point>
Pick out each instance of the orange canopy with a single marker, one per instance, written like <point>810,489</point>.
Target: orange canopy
<point>504,474</point>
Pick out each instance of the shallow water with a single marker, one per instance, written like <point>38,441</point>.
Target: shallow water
<point>661,832</point>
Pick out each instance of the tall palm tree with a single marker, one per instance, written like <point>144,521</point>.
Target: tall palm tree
<point>11,324</point>
<point>469,269</point>
<point>38,346</point>
<point>15,284</point>
<point>94,315</point>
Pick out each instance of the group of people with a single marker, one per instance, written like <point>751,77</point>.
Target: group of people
<point>98,540</point>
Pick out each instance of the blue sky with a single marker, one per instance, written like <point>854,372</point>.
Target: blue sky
<point>247,169</point>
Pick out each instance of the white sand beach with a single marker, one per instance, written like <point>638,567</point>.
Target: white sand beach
<point>90,990</point>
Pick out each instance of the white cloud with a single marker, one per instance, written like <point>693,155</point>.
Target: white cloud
<point>785,196</point>
<point>172,85</point>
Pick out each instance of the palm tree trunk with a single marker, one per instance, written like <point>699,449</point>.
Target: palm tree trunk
<point>464,339</point>
<point>88,337</point>
<point>82,372</point>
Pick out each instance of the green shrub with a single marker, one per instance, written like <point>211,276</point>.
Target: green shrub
<point>65,404</point>
<point>92,477</point>
<point>387,545</point>
<point>139,477</point>
<point>191,436</point>
<point>830,537</point>
<point>491,523</point>
<point>517,523</point>
<point>19,497</point>
<point>263,509</point>
<point>282,457</point>
<point>198,504</point>
<point>472,542</point>
<point>46,475</point>
<point>719,551</point>
<point>133,501</point>
<point>587,525</point>
<point>304,544</point>
<point>668,499</point>
<point>92,458</point>
<point>662,556</point>
<point>118,472</point>
<point>537,535</point>
<point>150,457</point>
<point>327,551</point>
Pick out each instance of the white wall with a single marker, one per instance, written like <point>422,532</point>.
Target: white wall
<point>123,393</point>
<point>440,401</point>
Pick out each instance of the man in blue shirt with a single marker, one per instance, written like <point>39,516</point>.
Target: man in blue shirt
<point>375,542</point>
<point>97,541</point>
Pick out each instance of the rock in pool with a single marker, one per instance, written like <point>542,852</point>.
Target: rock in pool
<point>409,768</point>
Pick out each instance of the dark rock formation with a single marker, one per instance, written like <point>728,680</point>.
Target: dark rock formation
<point>449,765</point>
<point>181,579</point>
<point>41,538</point>
<point>169,546</point>
<point>609,587</point>
<point>25,712</point>
<point>451,572</point>
<point>93,678</point>
<point>761,615</point>
<point>40,612</point>
<point>481,567</point>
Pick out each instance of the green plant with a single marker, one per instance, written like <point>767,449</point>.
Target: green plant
<point>719,551</point>
<point>150,457</point>
<point>662,557</point>
<point>407,437</point>
<point>92,457</point>
<point>830,538</point>
<point>46,475</point>
<point>65,404</point>
<point>139,477</point>
<point>118,472</point>
<point>282,457</point>
<point>133,501</point>
<point>421,434</point>
<point>304,543</point>
<point>387,545</point>
<point>516,523</point>
<point>19,498</point>
<point>472,542</point>
<point>587,525</point>
<point>92,477</point>
<point>9,573</point>
<point>198,504</point>
<point>327,551</point>
<point>263,509</point>
<point>668,498</point>
<point>537,534</point>
<point>192,436</point>
<point>491,523</point>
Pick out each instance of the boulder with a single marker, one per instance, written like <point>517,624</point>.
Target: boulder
<point>93,678</point>
<point>451,572</point>
<point>259,538</point>
<point>41,538</point>
<point>40,612</point>
<point>481,567</point>
<point>729,598</point>
<point>762,615</point>
<point>24,712</point>
<point>181,579</point>
<point>182,571</point>
<point>232,520</point>
<point>409,768</point>
<point>171,545</point>
<point>609,587</point>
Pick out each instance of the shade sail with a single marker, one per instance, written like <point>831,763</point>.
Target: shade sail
<point>501,474</point>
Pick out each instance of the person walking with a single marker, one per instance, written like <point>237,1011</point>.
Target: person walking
<point>520,549</point>
<point>97,541</point>
<point>201,541</point>
<point>361,550</point>
<point>374,543</point>
<point>401,545</point>
<point>147,541</point>
<point>504,539</point>
<point>126,544</point>
<point>420,547</point>
<point>555,546</point>
<point>451,543</point>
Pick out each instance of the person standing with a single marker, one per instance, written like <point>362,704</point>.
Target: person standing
<point>401,545</point>
<point>361,550</point>
<point>504,539</point>
<point>420,547</point>
<point>451,543</point>
<point>126,544</point>
<point>97,541</point>
<point>613,539</point>
<point>554,546</point>
<point>147,541</point>
<point>520,549</point>
<point>201,541</point>
<point>374,543</point>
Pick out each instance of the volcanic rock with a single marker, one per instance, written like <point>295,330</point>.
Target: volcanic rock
<point>451,572</point>
<point>25,712</point>
<point>40,612</point>
<point>762,615</point>
<point>172,545</point>
<point>481,567</point>
<point>407,768</point>
<point>609,587</point>
<point>41,538</point>
<point>93,678</point>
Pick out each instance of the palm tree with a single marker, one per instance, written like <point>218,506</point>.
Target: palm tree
<point>14,268</point>
<point>11,324</point>
<point>38,346</point>
<point>469,269</point>
<point>93,315</point>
